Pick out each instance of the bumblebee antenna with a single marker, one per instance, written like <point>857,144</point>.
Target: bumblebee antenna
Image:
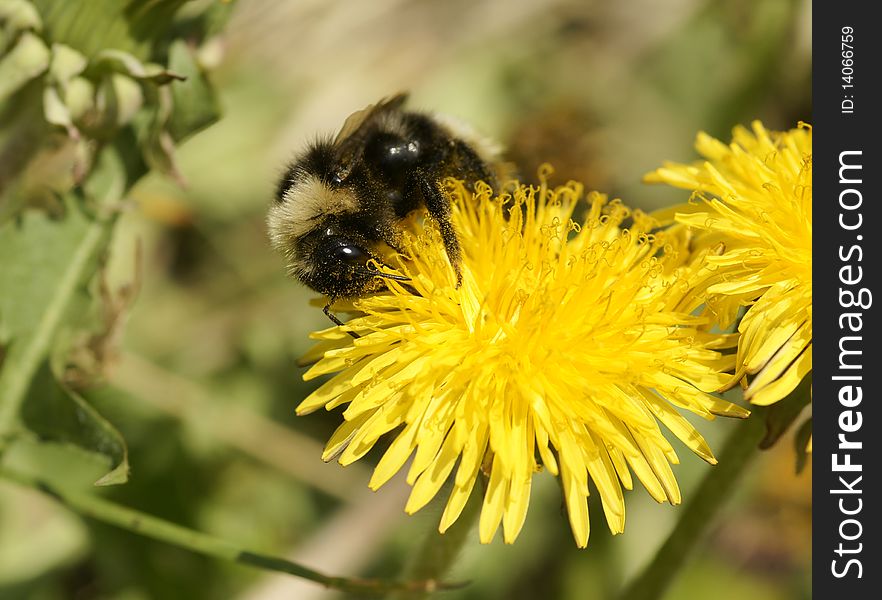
<point>373,268</point>
<point>391,276</point>
<point>336,321</point>
<point>405,281</point>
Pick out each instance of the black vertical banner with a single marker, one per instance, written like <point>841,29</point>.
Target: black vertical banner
<point>847,420</point>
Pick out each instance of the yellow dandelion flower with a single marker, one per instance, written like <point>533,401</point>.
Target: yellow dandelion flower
<point>565,345</point>
<point>755,196</point>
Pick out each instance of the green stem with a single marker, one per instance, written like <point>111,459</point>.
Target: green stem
<point>106,511</point>
<point>439,551</point>
<point>698,514</point>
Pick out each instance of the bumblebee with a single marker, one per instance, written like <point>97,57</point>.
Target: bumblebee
<point>344,202</point>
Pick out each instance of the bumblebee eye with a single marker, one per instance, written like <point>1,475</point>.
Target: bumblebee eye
<point>350,253</point>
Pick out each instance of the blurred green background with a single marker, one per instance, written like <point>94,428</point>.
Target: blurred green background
<point>199,374</point>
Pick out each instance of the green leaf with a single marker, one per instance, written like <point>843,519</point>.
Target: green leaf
<point>16,16</point>
<point>34,255</point>
<point>89,26</point>
<point>125,97</point>
<point>43,262</point>
<point>118,100</point>
<point>57,462</point>
<point>195,102</point>
<point>57,414</point>
<point>56,110</point>
<point>28,59</point>
<point>79,96</point>
<point>66,64</point>
<point>117,170</point>
<point>157,144</point>
<point>123,62</point>
<point>159,152</point>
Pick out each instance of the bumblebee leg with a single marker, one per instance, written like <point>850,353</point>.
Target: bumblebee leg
<point>438,206</point>
<point>336,321</point>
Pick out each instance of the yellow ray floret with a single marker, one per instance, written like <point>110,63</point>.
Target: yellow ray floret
<point>567,345</point>
<point>753,197</point>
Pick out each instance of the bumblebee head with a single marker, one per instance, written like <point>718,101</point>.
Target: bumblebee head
<point>315,224</point>
<point>334,262</point>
